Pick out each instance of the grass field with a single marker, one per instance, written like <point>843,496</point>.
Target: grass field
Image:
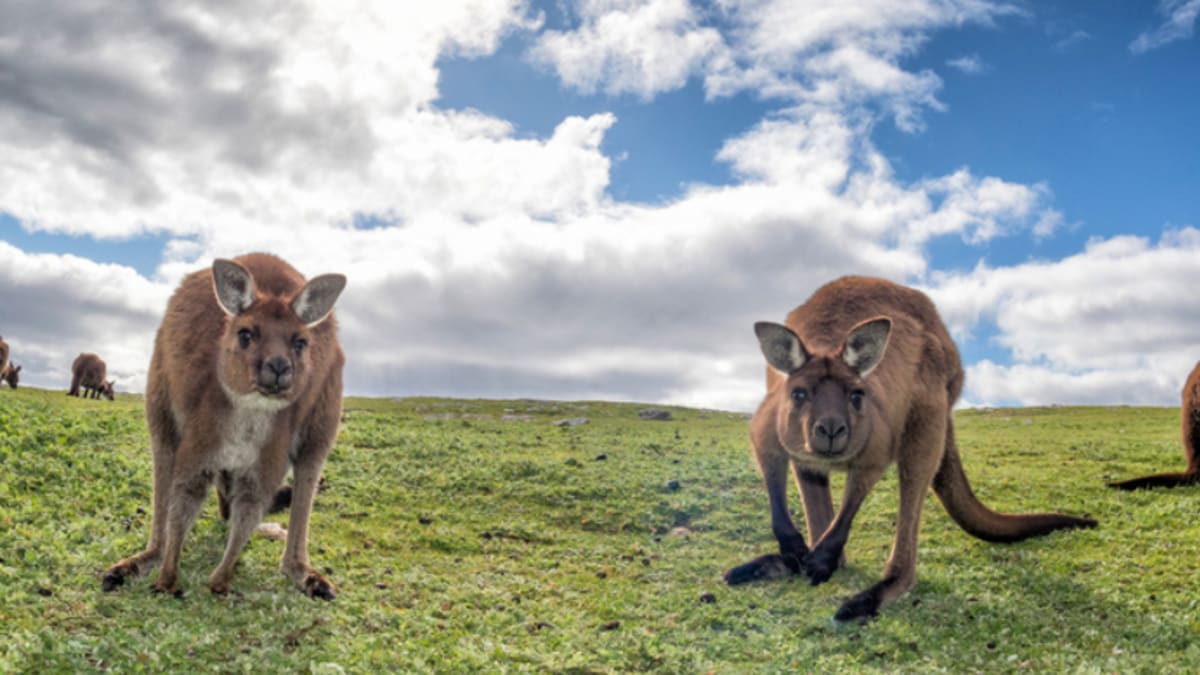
<point>480,536</point>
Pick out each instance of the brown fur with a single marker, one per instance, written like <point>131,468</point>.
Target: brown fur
<point>233,397</point>
<point>88,372</point>
<point>879,375</point>
<point>1190,414</point>
<point>11,374</point>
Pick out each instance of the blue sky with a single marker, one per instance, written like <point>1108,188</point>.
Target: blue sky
<point>595,199</point>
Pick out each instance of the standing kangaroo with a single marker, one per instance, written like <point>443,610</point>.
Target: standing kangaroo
<point>864,374</point>
<point>88,371</point>
<point>1191,442</point>
<point>246,378</point>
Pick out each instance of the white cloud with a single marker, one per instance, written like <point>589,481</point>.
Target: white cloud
<point>1111,323</point>
<point>1181,22</point>
<point>57,306</point>
<point>970,64</point>
<point>495,264</point>
<point>841,54</point>
<point>1076,37</point>
<point>640,47</point>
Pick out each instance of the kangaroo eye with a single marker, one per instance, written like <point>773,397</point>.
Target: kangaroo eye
<point>799,396</point>
<point>856,398</point>
<point>244,337</point>
<point>299,344</point>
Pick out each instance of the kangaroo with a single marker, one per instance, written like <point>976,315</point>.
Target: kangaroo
<point>3,354</point>
<point>864,374</point>
<point>88,372</point>
<point>11,374</point>
<point>245,380</point>
<point>1191,441</point>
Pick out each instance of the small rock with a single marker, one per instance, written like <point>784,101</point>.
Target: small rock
<point>573,422</point>
<point>673,485</point>
<point>708,598</point>
<point>654,414</point>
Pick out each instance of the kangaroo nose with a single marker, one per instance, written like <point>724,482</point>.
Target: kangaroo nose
<point>830,427</point>
<point>276,372</point>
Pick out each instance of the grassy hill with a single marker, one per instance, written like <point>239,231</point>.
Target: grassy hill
<point>481,536</point>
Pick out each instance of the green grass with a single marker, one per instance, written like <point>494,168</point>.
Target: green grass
<point>462,541</point>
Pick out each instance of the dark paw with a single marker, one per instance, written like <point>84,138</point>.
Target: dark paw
<point>861,607</point>
<point>112,579</point>
<point>316,587</point>
<point>820,565</point>
<point>770,566</point>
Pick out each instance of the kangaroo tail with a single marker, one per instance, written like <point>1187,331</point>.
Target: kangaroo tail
<point>950,484</point>
<point>1163,480</point>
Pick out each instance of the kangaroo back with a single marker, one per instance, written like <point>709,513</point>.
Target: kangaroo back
<point>950,484</point>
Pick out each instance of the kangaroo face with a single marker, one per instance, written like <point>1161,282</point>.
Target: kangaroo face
<point>264,349</point>
<point>825,415</point>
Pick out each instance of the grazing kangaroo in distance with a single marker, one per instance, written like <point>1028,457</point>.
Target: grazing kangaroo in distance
<point>88,371</point>
<point>1190,412</point>
<point>246,378</point>
<point>11,374</point>
<point>864,374</point>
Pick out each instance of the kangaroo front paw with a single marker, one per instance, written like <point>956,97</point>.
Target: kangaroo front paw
<point>862,606</point>
<point>819,565</point>
<point>115,577</point>
<point>770,566</point>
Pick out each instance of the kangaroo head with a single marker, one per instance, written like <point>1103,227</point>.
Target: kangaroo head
<point>264,350</point>
<point>106,389</point>
<point>12,375</point>
<point>825,413</point>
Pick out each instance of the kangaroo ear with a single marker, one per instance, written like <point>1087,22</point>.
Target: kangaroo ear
<point>233,286</point>
<point>866,344</point>
<point>781,346</point>
<point>315,300</point>
<point>17,369</point>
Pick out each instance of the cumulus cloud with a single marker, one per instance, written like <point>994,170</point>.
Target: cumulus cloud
<point>640,47</point>
<point>1106,324</point>
<point>1179,25</point>
<point>841,54</point>
<point>481,261</point>
<point>57,306</point>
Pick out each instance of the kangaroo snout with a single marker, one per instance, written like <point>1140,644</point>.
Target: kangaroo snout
<point>829,436</point>
<point>275,374</point>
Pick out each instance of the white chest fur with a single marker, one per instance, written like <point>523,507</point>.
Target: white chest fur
<point>244,433</point>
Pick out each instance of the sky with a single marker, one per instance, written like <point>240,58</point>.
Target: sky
<point>597,199</point>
